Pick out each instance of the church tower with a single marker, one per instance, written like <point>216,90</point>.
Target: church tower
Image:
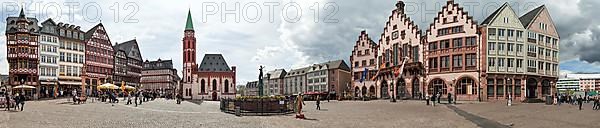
<point>189,50</point>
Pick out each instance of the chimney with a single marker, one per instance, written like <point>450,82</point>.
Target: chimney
<point>233,68</point>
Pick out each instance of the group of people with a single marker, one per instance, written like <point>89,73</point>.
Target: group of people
<point>436,97</point>
<point>579,100</point>
<point>19,100</point>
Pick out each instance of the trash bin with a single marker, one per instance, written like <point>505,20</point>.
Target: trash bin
<point>549,100</point>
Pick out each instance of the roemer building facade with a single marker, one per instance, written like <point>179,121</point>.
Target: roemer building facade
<point>400,58</point>
<point>505,56</point>
<point>452,53</point>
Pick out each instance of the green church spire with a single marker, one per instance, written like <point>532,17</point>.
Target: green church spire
<point>189,25</point>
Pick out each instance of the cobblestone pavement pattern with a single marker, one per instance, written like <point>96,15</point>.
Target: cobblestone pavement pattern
<point>380,113</point>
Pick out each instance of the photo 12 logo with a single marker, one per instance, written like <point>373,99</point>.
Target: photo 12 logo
<point>252,12</point>
<point>71,11</point>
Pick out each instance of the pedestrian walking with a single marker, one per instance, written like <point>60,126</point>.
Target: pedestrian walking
<point>439,97</point>
<point>22,99</point>
<point>141,97</point>
<point>318,103</point>
<point>17,101</point>
<point>433,97</point>
<point>449,98</point>
<point>580,102</point>
<point>559,99</point>
<point>596,104</point>
<point>136,99</point>
<point>178,97</point>
<point>427,99</point>
<point>7,98</point>
<point>128,99</point>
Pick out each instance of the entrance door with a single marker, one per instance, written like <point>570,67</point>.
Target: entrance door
<point>400,88</point>
<point>415,88</point>
<point>384,90</point>
<point>531,88</point>
<point>214,96</point>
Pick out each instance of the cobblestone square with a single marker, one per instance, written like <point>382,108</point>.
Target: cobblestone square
<point>379,113</point>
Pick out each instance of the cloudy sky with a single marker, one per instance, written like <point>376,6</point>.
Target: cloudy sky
<point>289,33</point>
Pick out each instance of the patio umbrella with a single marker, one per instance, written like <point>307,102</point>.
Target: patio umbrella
<point>23,87</point>
<point>593,93</point>
<point>108,86</point>
<point>129,88</point>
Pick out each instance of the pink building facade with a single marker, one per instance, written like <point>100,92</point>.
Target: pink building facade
<point>400,41</point>
<point>452,54</point>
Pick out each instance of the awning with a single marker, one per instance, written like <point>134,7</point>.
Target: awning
<point>47,83</point>
<point>69,83</point>
<point>23,87</point>
<point>313,93</point>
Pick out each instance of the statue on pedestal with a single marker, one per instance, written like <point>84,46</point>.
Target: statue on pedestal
<point>260,81</point>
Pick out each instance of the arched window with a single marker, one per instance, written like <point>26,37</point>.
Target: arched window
<point>545,87</point>
<point>226,86</point>
<point>464,85</point>
<point>439,86</point>
<point>214,85</point>
<point>202,86</point>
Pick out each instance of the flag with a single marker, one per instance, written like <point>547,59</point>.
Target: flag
<point>364,75</point>
<point>396,72</point>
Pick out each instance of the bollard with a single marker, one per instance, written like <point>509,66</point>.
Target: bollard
<point>238,111</point>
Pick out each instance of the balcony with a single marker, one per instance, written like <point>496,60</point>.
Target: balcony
<point>531,40</point>
<point>433,70</point>
<point>493,37</point>
<point>531,54</point>
<point>492,69</point>
<point>501,37</point>
<point>531,70</point>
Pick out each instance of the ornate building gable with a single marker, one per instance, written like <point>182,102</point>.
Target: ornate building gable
<point>401,37</point>
<point>98,32</point>
<point>451,13</point>
<point>364,45</point>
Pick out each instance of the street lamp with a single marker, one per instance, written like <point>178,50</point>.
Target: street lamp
<point>22,88</point>
<point>455,87</point>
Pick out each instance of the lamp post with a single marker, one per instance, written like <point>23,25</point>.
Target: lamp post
<point>455,87</point>
<point>22,87</point>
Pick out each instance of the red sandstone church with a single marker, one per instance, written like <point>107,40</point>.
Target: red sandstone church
<point>213,79</point>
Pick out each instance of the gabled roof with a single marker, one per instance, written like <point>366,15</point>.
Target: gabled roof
<point>158,64</point>
<point>530,16</point>
<point>337,64</point>
<point>494,14</point>
<point>213,63</point>
<point>49,20</point>
<point>277,73</point>
<point>90,32</point>
<point>128,47</point>
<point>299,71</point>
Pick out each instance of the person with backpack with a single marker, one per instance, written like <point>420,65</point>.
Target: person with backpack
<point>22,100</point>
<point>318,103</point>
<point>17,101</point>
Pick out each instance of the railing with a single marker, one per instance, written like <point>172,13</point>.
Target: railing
<point>257,106</point>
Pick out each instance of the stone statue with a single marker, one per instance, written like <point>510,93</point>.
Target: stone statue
<point>260,81</point>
